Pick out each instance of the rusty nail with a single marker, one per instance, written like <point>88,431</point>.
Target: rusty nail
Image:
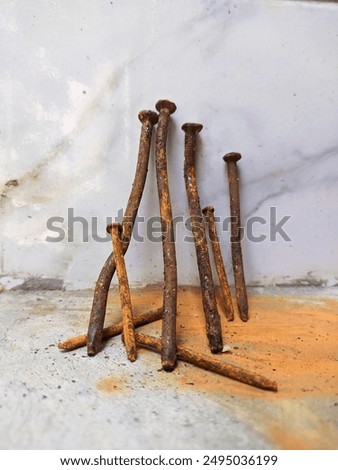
<point>168,356</point>
<point>166,106</point>
<point>127,313</point>
<point>98,311</point>
<point>208,212</point>
<point>211,364</point>
<point>212,319</point>
<point>140,319</point>
<point>236,250</point>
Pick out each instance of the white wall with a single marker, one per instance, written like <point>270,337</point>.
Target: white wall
<point>260,75</point>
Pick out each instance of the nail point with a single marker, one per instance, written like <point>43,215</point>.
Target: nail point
<point>168,366</point>
<point>166,104</point>
<point>216,349</point>
<point>91,351</point>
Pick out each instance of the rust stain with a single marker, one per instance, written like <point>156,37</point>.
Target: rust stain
<point>295,425</point>
<point>322,436</point>
<point>298,349</point>
<point>112,384</point>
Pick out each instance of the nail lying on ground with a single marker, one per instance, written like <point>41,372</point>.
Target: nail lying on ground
<point>127,312</point>
<point>212,319</point>
<point>218,258</point>
<point>98,311</point>
<point>211,364</point>
<point>236,250</point>
<point>140,319</point>
<point>168,355</point>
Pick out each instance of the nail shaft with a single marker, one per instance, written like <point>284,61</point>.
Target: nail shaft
<point>236,250</point>
<point>140,319</point>
<point>212,319</point>
<point>168,358</point>
<point>98,311</point>
<point>218,258</point>
<point>211,364</point>
<point>127,312</point>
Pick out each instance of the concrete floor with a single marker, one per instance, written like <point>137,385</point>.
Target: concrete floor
<point>55,400</point>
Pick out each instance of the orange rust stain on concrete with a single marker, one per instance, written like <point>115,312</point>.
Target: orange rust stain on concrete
<point>322,436</point>
<point>112,384</point>
<point>295,423</point>
<point>290,339</point>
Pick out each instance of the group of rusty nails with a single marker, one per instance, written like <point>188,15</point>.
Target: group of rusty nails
<point>121,237</point>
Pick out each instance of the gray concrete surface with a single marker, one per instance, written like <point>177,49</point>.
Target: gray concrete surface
<point>55,400</point>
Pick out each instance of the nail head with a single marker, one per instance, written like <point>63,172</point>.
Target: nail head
<point>166,104</point>
<point>208,209</point>
<point>114,226</point>
<point>148,115</point>
<point>192,128</point>
<point>232,157</point>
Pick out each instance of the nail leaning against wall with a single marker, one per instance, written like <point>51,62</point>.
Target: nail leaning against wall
<point>168,357</point>
<point>218,258</point>
<point>98,312</point>
<point>236,250</point>
<point>127,313</point>
<point>212,319</point>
